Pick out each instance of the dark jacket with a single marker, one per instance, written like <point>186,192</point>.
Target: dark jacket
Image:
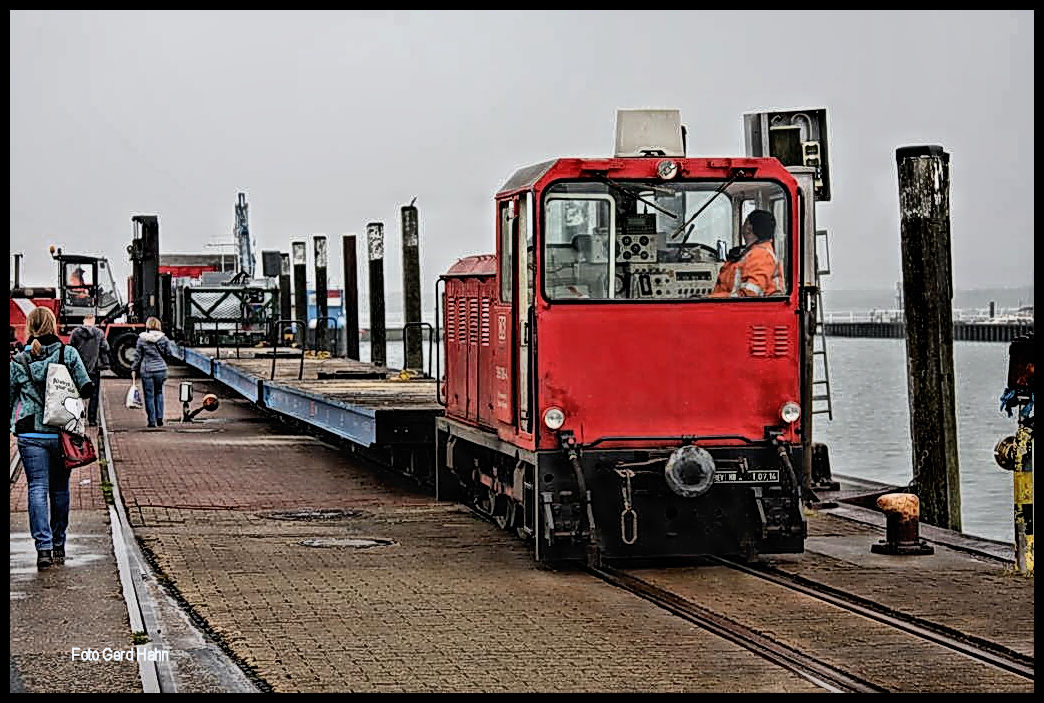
<point>90,342</point>
<point>26,406</point>
<point>150,353</point>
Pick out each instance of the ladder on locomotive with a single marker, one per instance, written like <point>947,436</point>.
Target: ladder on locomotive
<point>821,402</point>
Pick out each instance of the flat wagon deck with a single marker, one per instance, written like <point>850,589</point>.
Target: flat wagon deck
<point>386,413</point>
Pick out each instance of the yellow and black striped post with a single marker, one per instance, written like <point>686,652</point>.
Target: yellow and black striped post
<point>1023,498</point>
<point>1015,453</point>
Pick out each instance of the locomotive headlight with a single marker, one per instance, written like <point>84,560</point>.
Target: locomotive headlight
<point>790,412</point>
<point>554,418</point>
<point>667,169</point>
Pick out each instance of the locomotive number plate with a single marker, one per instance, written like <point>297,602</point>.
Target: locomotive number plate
<point>746,477</point>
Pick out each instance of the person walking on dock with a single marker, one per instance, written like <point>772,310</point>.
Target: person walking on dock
<point>90,343</point>
<point>38,445</point>
<point>150,364</point>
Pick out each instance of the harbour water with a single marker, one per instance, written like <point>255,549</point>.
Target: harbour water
<point>869,436</point>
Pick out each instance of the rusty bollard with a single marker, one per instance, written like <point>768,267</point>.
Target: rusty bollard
<point>903,511</point>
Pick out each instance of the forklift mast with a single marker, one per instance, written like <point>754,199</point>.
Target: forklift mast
<point>144,255</point>
<point>242,235</point>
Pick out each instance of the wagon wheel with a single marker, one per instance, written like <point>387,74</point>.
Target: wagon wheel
<point>122,353</point>
<point>484,498</point>
<point>505,517</point>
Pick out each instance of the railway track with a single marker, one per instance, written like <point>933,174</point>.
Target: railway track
<point>817,672</point>
<point>156,677</point>
<point>985,651</point>
<point>822,673</point>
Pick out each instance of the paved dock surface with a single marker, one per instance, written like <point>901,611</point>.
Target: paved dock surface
<point>315,571</point>
<point>78,604</point>
<point>386,590</point>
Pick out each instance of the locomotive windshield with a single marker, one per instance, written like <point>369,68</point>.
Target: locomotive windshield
<point>653,240</point>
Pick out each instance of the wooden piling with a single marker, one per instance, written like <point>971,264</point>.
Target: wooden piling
<point>924,204</point>
<point>411,288</point>
<point>321,324</point>
<point>300,257</point>
<point>285,306</point>
<point>350,299</point>
<point>378,338</point>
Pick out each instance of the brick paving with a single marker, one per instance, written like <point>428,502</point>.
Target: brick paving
<point>449,604</point>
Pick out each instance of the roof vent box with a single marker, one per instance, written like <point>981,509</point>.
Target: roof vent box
<point>641,132</point>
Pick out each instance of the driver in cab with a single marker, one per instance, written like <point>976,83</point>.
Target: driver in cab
<point>77,288</point>
<point>753,269</point>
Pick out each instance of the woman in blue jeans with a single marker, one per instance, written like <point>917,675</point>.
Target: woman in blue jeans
<point>150,364</point>
<point>38,445</point>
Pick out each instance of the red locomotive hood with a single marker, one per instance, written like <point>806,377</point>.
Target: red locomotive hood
<point>667,371</point>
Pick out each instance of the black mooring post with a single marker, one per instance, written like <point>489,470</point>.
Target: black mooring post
<point>320,292</point>
<point>924,205</point>
<point>378,340</point>
<point>284,289</point>
<point>411,287</point>
<point>350,299</point>
<point>300,256</point>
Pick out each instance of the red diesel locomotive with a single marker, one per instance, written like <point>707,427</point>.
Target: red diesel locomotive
<point>597,399</point>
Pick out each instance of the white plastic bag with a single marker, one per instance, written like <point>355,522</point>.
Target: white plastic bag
<point>62,403</point>
<point>134,397</point>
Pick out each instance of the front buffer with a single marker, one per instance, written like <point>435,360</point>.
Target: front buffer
<point>669,504</point>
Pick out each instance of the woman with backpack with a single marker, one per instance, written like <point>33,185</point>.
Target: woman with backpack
<point>150,364</point>
<point>38,445</point>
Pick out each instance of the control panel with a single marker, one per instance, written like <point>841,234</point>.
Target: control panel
<point>673,280</point>
<point>637,242</point>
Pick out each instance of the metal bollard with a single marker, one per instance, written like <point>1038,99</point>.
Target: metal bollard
<point>902,511</point>
<point>210,402</point>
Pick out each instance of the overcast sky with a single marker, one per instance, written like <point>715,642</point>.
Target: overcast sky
<point>330,120</point>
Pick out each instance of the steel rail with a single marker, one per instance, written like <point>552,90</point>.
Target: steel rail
<point>977,648</point>
<point>156,676</point>
<point>817,672</point>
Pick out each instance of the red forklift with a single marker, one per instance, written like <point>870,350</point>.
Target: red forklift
<point>86,287</point>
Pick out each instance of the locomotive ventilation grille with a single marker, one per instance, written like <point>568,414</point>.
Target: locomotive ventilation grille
<point>468,320</point>
<point>451,320</point>
<point>769,342</point>
<point>484,323</point>
<point>462,321</point>
<point>473,320</point>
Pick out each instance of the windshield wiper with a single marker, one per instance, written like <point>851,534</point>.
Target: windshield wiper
<point>627,191</point>
<point>739,172</point>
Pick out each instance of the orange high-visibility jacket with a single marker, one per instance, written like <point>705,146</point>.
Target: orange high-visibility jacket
<point>757,273</point>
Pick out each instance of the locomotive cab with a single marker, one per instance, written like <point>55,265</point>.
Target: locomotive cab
<point>610,393</point>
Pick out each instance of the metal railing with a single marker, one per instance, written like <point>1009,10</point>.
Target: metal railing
<point>431,336</point>
<point>315,337</point>
<point>279,324</point>
<point>979,315</point>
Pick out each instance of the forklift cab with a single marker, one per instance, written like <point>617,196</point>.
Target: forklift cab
<point>86,286</point>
